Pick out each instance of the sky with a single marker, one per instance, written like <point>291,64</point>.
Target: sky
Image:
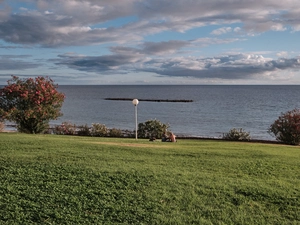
<point>140,42</point>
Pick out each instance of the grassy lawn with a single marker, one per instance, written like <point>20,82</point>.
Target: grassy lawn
<point>51,179</point>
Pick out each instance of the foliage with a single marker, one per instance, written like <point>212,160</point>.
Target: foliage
<point>83,180</point>
<point>84,130</point>
<point>30,103</point>
<point>99,130</point>
<point>152,129</point>
<point>66,128</point>
<point>114,132</point>
<point>237,135</point>
<point>286,128</point>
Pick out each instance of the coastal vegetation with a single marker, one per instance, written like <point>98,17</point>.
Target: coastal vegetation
<point>30,103</point>
<point>286,128</point>
<point>237,135</point>
<point>61,179</point>
<point>150,128</point>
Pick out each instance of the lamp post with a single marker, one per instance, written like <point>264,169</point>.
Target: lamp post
<point>135,102</point>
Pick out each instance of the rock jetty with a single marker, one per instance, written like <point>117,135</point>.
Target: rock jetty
<point>150,100</point>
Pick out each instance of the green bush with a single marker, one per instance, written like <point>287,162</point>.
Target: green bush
<point>84,130</point>
<point>114,132</point>
<point>99,130</point>
<point>237,135</point>
<point>286,128</point>
<point>152,129</point>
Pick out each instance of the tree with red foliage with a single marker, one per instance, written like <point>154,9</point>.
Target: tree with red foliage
<point>30,103</point>
<point>286,128</point>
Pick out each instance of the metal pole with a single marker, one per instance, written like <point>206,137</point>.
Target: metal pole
<point>136,126</point>
<point>135,102</point>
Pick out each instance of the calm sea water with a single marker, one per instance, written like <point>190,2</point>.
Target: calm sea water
<point>213,112</point>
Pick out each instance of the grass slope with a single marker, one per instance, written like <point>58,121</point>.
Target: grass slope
<point>50,179</point>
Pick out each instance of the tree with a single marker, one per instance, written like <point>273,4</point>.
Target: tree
<point>237,135</point>
<point>286,128</point>
<point>152,129</point>
<point>30,103</point>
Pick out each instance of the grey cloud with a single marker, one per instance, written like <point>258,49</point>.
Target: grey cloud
<point>13,63</point>
<point>68,23</point>
<point>163,47</point>
<point>257,15</point>
<point>89,11</point>
<point>35,29</point>
<point>239,66</point>
<point>227,67</point>
<point>4,11</point>
<point>105,63</point>
<point>24,29</point>
<point>153,48</point>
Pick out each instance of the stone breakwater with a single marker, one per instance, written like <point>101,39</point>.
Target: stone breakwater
<point>150,100</point>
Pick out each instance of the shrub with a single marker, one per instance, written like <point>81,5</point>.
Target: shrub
<point>152,129</point>
<point>286,128</point>
<point>84,130</point>
<point>30,103</point>
<point>66,128</point>
<point>99,130</point>
<point>237,135</point>
<point>114,132</point>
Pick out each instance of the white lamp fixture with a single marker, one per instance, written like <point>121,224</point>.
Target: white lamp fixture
<point>135,102</point>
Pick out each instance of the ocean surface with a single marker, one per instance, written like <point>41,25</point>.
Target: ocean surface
<point>214,111</point>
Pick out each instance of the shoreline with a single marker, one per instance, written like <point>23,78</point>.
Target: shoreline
<point>183,137</point>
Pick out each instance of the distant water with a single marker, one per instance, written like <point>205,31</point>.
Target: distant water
<point>213,112</point>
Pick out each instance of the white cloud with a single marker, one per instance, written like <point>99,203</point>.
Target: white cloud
<point>237,29</point>
<point>221,31</point>
<point>282,54</point>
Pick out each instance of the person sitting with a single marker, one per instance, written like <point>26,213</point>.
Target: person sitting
<point>172,137</point>
<point>165,137</point>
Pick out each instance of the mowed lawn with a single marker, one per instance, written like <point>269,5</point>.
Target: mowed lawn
<point>51,179</point>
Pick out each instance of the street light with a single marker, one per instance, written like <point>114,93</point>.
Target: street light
<point>135,102</point>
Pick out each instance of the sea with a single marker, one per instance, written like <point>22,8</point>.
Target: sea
<point>214,110</point>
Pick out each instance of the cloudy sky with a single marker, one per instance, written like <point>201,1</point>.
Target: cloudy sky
<point>151,41</point>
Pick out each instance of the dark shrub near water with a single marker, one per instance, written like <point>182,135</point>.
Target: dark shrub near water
<point>286,128</point>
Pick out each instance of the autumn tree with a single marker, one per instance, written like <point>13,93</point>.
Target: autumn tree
<point>286,128</point>
<point>30,103</point>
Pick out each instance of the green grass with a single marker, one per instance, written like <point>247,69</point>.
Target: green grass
<point>51,179</point>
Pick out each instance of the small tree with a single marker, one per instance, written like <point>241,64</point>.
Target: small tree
<point>152,128</point>
<point>237,135</point>
<point>286,128</point>
<point>30,103</point>
<point>99,130</point>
